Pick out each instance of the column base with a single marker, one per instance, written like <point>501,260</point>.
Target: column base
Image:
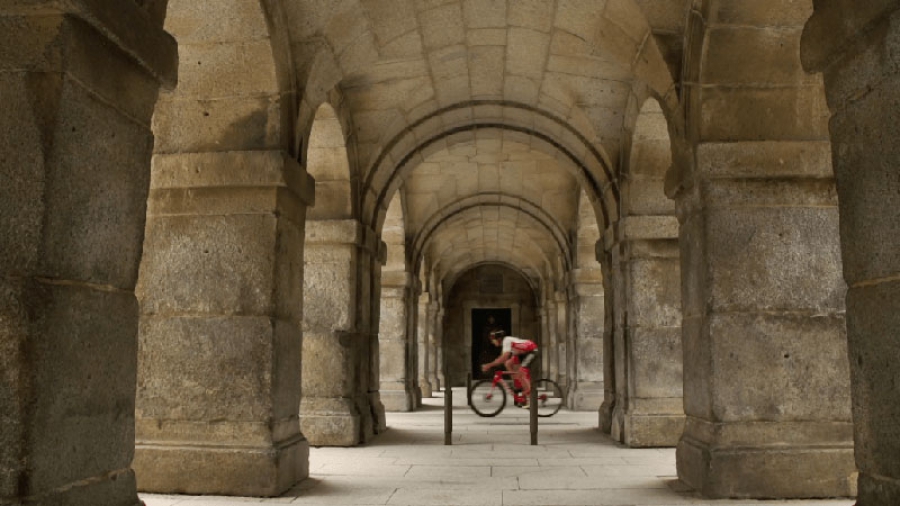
<point>425,386</point>
<point>330,422</point>
<point>116,489</point>
<point>397,400</point>
<point>652,431</point>
<point>176,468</point>
<point>878,491</point>
<point>605,415</point>
<point>378,412</point>
<point>586,397</point>
<point>777,471</point>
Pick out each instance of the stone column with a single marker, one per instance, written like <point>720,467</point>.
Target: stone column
<point>648,410</point>
<point>856,50</point>
<point>563,341</point>
<point>334,409</point>
<point>612,325</point>
<point>437,326</point>
<point>377,259</point>
<point>551,348</point>
<point>396,388</point>
<point>79,84</point>
<point>586,298</point>
<point>766,379</point>
<point>220,338</point>
<point>423,353</point>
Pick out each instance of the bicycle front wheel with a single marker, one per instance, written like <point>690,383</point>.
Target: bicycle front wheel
<point>549,397</point>
<point>487,399</point>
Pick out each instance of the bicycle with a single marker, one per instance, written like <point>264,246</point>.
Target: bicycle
<point>488,397</point>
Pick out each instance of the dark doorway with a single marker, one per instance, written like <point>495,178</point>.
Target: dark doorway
<point>483,322</point>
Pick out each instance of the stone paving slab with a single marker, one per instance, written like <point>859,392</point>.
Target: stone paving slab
<point>490,463</point>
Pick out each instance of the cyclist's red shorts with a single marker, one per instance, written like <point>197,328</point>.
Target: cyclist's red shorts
<point>525,359</point>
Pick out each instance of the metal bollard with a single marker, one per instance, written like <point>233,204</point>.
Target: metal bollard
<point>532,414</point>
<point>448,416</point>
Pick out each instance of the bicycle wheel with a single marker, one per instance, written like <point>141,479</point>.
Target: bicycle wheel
<point>486,399</point>
<point>549,397</point>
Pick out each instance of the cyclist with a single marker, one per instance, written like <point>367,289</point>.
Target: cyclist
<point>515,355</point>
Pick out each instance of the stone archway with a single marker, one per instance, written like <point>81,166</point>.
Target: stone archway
<point>336,409</point>
<point>221,276</point>
<point>645,293</point>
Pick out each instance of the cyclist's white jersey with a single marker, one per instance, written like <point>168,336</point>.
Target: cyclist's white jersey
<point>517,346</point>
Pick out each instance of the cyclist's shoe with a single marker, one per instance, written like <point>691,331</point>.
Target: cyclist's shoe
<point>523,405</point>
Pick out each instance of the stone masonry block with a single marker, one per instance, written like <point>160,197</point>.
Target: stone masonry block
<point>265,471</point>
<point>873,315</point>
<point>806,356</point>
<point>867,183</point>
<point>196,22</point>
<point>329,363</point>
<point>240,123</point>
<point>226,69</point>
<point>533,14</point>
<point>484,13</point>
<point>768,56</point>
<point>783,113</point>
<point>214,265</point>
<point>763,13</point>
<point>442,26</point>
<point>655,361</point>
<point>93,207</point>
<point>784,472</point>
<point>810,159</point>
<point>82,352</point>
<point>655,293</point>
<point>773,258</point>
<point>221,366</point>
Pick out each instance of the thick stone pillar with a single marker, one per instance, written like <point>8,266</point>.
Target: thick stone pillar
<point>397,392</point>
<point>563,341</point>
<point>612,325</point>
<point>220,338</point>
<point>648,410</point>
<point>426,306</point>
<point>377,257</point>
<point>335,409</point>
<point>551,346</point>
<point>586,297</point>
<point>856,48</point>
<point>766,379</point>
<point>75,146</point>
<point>437,369</point>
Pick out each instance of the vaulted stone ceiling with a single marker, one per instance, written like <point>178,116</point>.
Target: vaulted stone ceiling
<point>487,116</point>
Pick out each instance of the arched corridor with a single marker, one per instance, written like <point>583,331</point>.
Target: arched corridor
<point>232,232</point>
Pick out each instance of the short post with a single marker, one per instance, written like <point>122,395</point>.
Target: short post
<point>469,389</point>
<point>448,407</point>
<point>532,415</point>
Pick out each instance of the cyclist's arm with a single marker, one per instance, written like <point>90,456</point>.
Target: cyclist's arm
<point>497,361</point>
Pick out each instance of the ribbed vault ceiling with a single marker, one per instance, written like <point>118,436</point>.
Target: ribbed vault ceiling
<point>486,118</point>
<point>410,71</point>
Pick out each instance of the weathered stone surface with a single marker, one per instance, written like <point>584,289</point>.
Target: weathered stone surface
<point>247,471</point>
<point>72,212</point>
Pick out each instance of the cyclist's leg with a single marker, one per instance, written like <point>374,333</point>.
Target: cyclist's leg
<point>524,372</point>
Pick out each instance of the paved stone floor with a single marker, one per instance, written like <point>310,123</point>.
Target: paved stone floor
<point>490,463</point>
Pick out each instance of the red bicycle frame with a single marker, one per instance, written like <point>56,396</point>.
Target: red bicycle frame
<point>499,378</point>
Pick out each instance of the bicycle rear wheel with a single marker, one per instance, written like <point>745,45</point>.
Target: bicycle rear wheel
<point>486,399</point>
<point>549,397</point>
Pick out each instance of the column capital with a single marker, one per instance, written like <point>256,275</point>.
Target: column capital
<point>126,24</point>
<point>836,26</point>
<point>232,169</point>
